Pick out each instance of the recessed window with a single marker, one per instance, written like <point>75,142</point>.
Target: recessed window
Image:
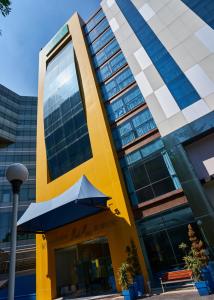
<point>66,132</point>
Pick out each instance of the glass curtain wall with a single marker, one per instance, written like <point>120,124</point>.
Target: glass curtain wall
<point>149,173</point>
<point>66,132</point>
<point>121,96</point>
<point>19,113</point>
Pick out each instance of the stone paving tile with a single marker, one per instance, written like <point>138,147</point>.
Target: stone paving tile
<point>179,296</point>
<point>165,296</point>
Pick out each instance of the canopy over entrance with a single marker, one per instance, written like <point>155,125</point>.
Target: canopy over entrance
<point>79,201</point>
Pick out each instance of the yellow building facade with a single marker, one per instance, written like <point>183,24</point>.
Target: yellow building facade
<point>115,224</point>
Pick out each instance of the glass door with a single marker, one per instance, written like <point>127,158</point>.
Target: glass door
<point>161,236</point>
<point>84,270</point>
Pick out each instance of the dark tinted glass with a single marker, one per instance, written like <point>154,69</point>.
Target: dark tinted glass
<point>156,169</point>
<point>151,178</point>
<point>139,176</point>
<point>66,133</point>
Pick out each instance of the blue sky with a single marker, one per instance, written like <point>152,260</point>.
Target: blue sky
<point>30,25</point>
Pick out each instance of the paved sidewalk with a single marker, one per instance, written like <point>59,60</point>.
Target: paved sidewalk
<point>179,295</point>
<point>173,295</point>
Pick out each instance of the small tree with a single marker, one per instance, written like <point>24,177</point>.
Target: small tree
<point>5,7</point>
<point>124,278</point>
<point>197,246</point>
<point>132,260</point>
<point>196,258</point>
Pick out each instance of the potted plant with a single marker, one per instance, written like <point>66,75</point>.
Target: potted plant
<point>195,260</point>
<point>135,269</point>
<point>125,282</point>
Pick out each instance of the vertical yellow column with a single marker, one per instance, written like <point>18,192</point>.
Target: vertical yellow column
<point>126,229</point>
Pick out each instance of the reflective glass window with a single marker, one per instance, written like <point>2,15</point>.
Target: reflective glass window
<point>176,81</point>
<point>162,234</point>
<point>117,84</point>
<point>106,53</point>
<point>135,127</point>
<point>102,41</point>
<point>5,224</point>
<point>5,227</point>
<point>111,66</point>
<point>66,133</point>
<point>94,21</point>
<point>151,177</point>
<point>6,196</point>
<point>97,30</point>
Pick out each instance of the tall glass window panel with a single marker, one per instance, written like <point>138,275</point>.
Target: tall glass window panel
<point>178,84</point>
<point>66,132</point>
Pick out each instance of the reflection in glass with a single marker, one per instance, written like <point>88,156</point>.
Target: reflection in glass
<point>149,173</point>
<point>103,55</point>
<point>135,127</point>
<point>84,269</point>
<point>162,234</point>
<point>66,133</point>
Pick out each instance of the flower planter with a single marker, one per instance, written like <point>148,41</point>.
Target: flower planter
<point>129,294</point>
<point>203,288</point>
<point>112,283</point>
<point>139,285</point>
<point>207,276</point>
<point>210,268</point>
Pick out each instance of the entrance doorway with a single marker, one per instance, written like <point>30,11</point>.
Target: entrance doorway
<point>161,236</point>
<point>84,269</point>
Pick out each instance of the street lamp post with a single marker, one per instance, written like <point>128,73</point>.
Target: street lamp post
<point>16,174</point>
